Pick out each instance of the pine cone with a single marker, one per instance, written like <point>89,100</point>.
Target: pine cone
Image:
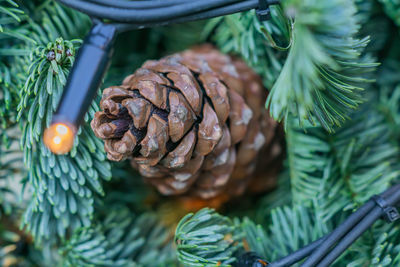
<point>193,122</point>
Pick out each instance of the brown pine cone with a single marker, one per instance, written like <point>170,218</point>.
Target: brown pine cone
<point>193,122</point>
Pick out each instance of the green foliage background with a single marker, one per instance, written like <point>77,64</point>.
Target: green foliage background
<point>333,72</point>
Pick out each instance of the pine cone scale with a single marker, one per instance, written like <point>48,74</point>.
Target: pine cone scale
<point>217,92</point>
<point>210,131</point>
<point>190,89</point>
<point>239,117</point>
<point>181,79</point>
<point>181,116</point>
<point>155,93</point>
<point>139,110</point>
<point>182,153</point>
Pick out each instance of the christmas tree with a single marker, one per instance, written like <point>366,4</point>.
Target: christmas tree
<point>207,139</point>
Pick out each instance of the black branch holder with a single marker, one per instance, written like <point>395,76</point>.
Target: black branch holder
<point>324,251</point>
<point>93,60</point>
<point>87,73</point>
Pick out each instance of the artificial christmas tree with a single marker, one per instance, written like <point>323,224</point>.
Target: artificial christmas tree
<point>318,63</point>
<point>193,123</point>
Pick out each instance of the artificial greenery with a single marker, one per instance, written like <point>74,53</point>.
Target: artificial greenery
<point>323,70</point>
<point>392,8</point>
<point>332,69</point>
<point>122,239</point>
<point>65,185</point>
<point>255,41</point>
<point>206,239</point>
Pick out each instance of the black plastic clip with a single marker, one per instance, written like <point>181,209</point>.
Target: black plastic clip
<point>391,213</point>
<point>263,11</point>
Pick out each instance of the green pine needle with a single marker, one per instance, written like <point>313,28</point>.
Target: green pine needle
<point>120,239</point>
<point>9,13</point>
<point>64,185</point>
<point>322,76</point>
<point>340,171</point>
<point>207,239</point>
<point>10,170</point>
<point>254,41</point>
<point>392,8</point>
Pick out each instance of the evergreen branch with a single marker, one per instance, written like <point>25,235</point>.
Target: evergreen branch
<point>386,250</point>
<point>55,21</point>
<point>9,78</point>
<point>207,239</point>
<point>245,35</point>
<point>8,97</point>
<point>389,103</point>
<point>321,76</point>
<point>210,239</point>
<point>18,39</point>
<point>61,183</point>
<point>120,239</point>
<point>340,171</point>
<point>9,12</point>
<point>392,9</point>
<point>290,228</point>
<point>10,171</point>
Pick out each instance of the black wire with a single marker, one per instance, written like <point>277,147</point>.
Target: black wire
<point>320,247</point>
<point>358,230</point>
<point>344,228</point>
<point>238,7</point>
<point>352,236</point>
<point>139,4</point>
<point>338,233</point>
<point>145,15</point>
<point>332,237</point>
<point>297,255</point>
<point>226,10</point>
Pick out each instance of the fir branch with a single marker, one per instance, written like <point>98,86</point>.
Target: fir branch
<point>389,100</point>
<point>11,171</point>
<point>392,9</point>
<point>9,82</point>
<point>61,184</point>
<point>9,76</point>
<point>207,239</point>
<point>54,21</point>
<point>321,78</point>
<point>120,239</point>
<point>64,185</point>
<point>245,35</point>
<point>386,250</point>
<point>341,171</point>
<point>202,238</point>
<point>19,38</point>
<point>290,228</point>
<point>9,12</point>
